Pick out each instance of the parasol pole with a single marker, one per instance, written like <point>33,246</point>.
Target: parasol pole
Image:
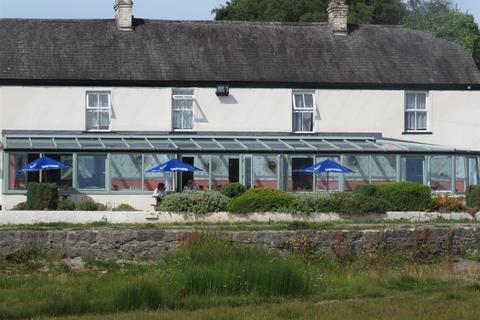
<point>327,182</point>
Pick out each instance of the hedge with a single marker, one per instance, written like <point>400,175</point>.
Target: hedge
<point>89,205</point>
<point>232,189</point>
<point>472,196</point>
<point>194,202</point>
<point>368,190</point>
<point>42,196</point>
<point>260,200</point>
<point>406,196</point>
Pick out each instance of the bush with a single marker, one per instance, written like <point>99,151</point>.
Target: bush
<point>445,203</point>
<point>124,207</point>
<point>368,190</point>
<point>472,196</point>
<point>232,189</point>
<point>42,196</point>
<point>20,206</point>
<point>346,203</point>
<point>260,200</point>
<point>66,205</point>
<point>194,202</point>
<point>89,205</point>
<point>406,196</point>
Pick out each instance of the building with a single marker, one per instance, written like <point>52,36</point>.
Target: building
<point>244,101</point>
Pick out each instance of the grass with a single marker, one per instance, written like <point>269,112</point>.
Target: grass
<point>213,279</point>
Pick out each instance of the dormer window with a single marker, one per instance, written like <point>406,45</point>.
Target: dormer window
<point>98,111</point>
<point>182,109</point>
<point>303,108</point>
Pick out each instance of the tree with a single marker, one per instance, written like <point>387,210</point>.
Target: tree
<point>443,19</point>
<point>361,11</point>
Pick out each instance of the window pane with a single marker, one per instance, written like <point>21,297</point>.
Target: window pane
<point>360,166</point>
<point>151,180</point>
<point>224,169</point>
<point>298,101</point>
<point>410,101</point>
<point>412,169</point>
<point>103,97</point>
<point>63,178</point>
<point>18,180</point>
<point>297,121</point>
<point>126,172</point>
<point>299,181</point>
<point>473,172</point>
<point>307,121</point>
<point>421,101</point>
<point>177,119</point>
<point>104,120</point>
<point>421,120</point>
<point>91,171</point>
<point>410,120</point>
<point>441,173</point>
<point>182,92</point>
<point>187,119</point>
<point>384,169</point>
<point>265,171</point>
<point>308,100</point>
<point>460,174</point>
<point>92,120</point>
<point>92,100</point>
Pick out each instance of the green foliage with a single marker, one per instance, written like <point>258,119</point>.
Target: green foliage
<point>25,255</point>
<point>139,294</point>
<point>260,200</point>
<point>21,206</point>
<point>232,189</point>
<point>361,11</point>
<point>89,205</point>
<point>42,196</point>
<point>368,190</point>
<point>66,205</point>
<point>213,267</point>
<point>124,207</point>
<point>406,196</point>
<point>472,196</point>
<point>346,203</point>
<point>194,202</point>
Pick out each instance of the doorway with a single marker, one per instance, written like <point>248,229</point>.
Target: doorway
<point>301,181</point>
<point>186,175</point>
<point>413,169</point>
<point>233,170</point>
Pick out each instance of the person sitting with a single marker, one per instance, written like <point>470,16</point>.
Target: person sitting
<point>159,193</point>
<point>190,186</point>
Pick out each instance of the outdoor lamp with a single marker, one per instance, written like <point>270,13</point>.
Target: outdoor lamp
<point>222,90</point>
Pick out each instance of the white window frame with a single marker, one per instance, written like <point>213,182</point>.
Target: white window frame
<point>98,110</point>
<point>296,109</point>
<point>183,97</point>
<point>416,111</point>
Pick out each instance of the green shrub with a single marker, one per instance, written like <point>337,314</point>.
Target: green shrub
<point>338,202</point>
<point>66,205</point>
<point>368,190</point>
<point>232,189</point>
<point>124,207</point>
<point>42,196</point>
<point>472,196</point>
<point>89,205</point>
<point>194,202</point>
<point>21,206</point>
<point>406,196</point>
<point>25,255</point>
<point>213,267</point>
<point>260,200</point>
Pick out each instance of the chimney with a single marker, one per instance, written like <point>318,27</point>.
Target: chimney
<point>337,11</point>
<point>123,14</point>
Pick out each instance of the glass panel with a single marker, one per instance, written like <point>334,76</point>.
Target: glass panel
<point>208,144</point>
<point>63,178</point>
<point>276,145</point>
<point>384,169</point>
<point>66,143</point>
<point>412,169</point>
<point>138,144</point>
<point>253,144</point>
<point>299,181</point>
<point>223,169</point>
<point>42,143</point>
<point>297,121</point>
<point>92,120</point>
<point>151,180</point>
<point>319,144</point>
<point>308,100</point>
<point>162,144</point>
<point>410,121</point>
<point>473,172</point>
<point>333,178</point>
<point>126,172</point>
<point>104,120</point>
<point>18,180</point>
<point>177,119</point>
<point>92,100</point>
<point>298,101</point>
<point>421,121</point>
<point>265,171</point>
<point>18,143</point>
<point>441,173</point>
<point>248,172</point>
<point>460,174</point>
<point>359,164</point>
<point>307,121</point>
<point>410,100</point>
<point>201,177</point>
<point>230,144</point>
<point>103,97</point>
<point>187,119</point>
<point>91,171</point>
<point>116,144</point>
<point>421,101</point>
<point>93,143</point>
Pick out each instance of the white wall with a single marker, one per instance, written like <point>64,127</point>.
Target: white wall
<point>454,116</point>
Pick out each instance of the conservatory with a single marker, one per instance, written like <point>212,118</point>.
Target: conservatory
<point>113,164</point>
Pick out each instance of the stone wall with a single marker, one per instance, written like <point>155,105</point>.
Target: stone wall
<point>138,244</point>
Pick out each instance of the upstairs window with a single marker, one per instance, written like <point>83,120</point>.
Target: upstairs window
<point>416,111</point>
<point>303,107</point>
<point>98,111</point>
<point>182,109</point>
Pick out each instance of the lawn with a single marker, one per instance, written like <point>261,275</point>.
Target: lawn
<point>213,279</point>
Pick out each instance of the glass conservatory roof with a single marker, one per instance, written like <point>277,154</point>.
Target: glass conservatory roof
<point>198,143</point>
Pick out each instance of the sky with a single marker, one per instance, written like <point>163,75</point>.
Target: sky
<point>154,9</point>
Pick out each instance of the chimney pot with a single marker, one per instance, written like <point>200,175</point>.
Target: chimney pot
<point>123,14</point>
<point>337,11</point>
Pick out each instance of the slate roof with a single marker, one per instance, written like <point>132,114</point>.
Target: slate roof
<point>160,51</point>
